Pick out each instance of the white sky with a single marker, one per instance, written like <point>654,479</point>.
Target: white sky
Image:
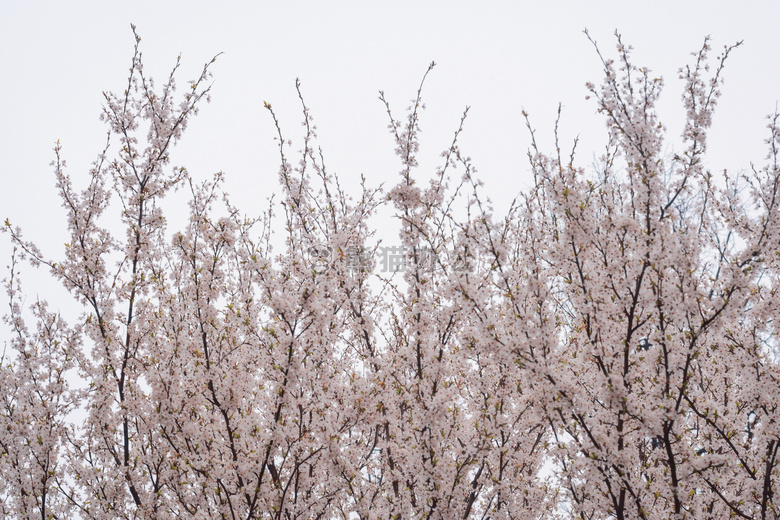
<point>498,57</point>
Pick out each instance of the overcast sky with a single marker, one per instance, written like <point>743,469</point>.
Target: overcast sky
<point>498,57</point>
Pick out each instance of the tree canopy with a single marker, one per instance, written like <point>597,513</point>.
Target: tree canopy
<point>605,349</point>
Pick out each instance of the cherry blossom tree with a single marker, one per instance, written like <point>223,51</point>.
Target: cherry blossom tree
<point>606,349</point>
<point>662,281</point>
